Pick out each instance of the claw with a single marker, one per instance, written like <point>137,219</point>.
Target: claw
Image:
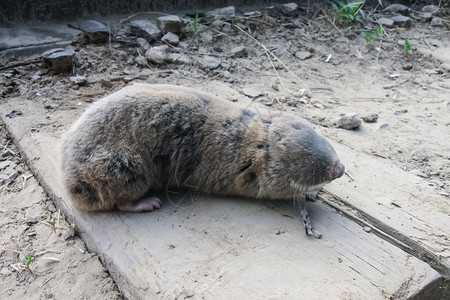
<point>146,204</point>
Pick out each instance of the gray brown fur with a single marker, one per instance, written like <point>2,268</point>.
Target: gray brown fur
<point>145,138</point>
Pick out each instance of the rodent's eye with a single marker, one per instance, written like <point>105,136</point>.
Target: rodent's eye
<point>328,168</point>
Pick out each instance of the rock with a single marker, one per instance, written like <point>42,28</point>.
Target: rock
<point>438,22</point>
<point>141,61</point>
<point>407,67</point>
<point>157,54</point>
<point>348,121</point>
<point>402,21</point>
<point>302,55</point>
<point>252,93</point>
<point>288,9</point>
<point>145,29</point>
<point>367,228</point>
<point>68,233</point>
<point>370,118</point>
<point>177,58</point>
<point>224,13</point>
<point>430,9</point>
<point>171,38</point>
<point>95,31</point>
<point>143,43</point>
<point>106,83</point>
<point>169,24</point>
<point>209,62</point>
<point>445,67</point>
<point>8,174</point>
<point>221,26</point>
<point>78,80</point>
<point>386,22</point>
<point>58,59</point>
<point>34,214</point>
<point>383,126</point>
<point>239,51</point>
<point>397,8</point>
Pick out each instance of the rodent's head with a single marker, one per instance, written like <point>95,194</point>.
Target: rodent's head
<point>301,157</point>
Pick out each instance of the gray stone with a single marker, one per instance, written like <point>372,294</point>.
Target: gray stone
<point>397,8</point>
<point>445,67</point>
<point>402,21</point>
<point>383,126</point>
<point>288,9</point>
<point>157,54</point>
<point>34,214</point>
<point>370,118</point>
<point>145,29</point>
<point>95,31</point>
<point>143,43</point>
<point>170,24</point>
<point>8,174</point>
<point>386,22</point>
<point>209,62</point>
<point>239,51</point>
<point>221,26</point>
<point>302,55</point>
<point>252,93</point>
<point>68,233</point>
<point>78,79</point>
<point>224,13</point>
<point>58,59</point>
<point>92,26</point>
<point>438,22</point>
<point>141,61</point>
<point>430,9</point>
<point>348,121</point>
<point>171,38</point>
<point>177,58</point>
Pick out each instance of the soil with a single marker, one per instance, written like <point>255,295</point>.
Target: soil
<point>324,69</point>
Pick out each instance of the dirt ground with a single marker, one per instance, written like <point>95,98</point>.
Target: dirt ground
<point>324,69</point>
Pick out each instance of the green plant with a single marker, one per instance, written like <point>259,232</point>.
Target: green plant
<point>27,262</point>
<point>373,37</point>
<point>349,11</point>
<point>407,45</point>
<point>195,24</point>
<point>53,223</point>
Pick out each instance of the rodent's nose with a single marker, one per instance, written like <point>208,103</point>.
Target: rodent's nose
<point>338,171</point>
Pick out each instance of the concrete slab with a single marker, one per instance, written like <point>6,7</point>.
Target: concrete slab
<point>204,247</point>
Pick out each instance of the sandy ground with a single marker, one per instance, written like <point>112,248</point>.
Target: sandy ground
<point>328,72</point>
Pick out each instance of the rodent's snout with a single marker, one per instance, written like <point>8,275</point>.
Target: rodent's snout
<point>338,170</point>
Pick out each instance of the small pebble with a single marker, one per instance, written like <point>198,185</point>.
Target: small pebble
<point>68,233</point>
<point>367,229</point>
<point>34,214</point>
<point>252,93</point>
<point>78,80</point>
<point>239,51</point>
<point>348,121</point>
<point>370,118</point>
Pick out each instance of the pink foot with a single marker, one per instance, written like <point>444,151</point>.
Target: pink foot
<point>146,204</point>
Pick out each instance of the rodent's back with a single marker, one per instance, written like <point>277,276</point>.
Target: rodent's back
<point>166,132</point>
